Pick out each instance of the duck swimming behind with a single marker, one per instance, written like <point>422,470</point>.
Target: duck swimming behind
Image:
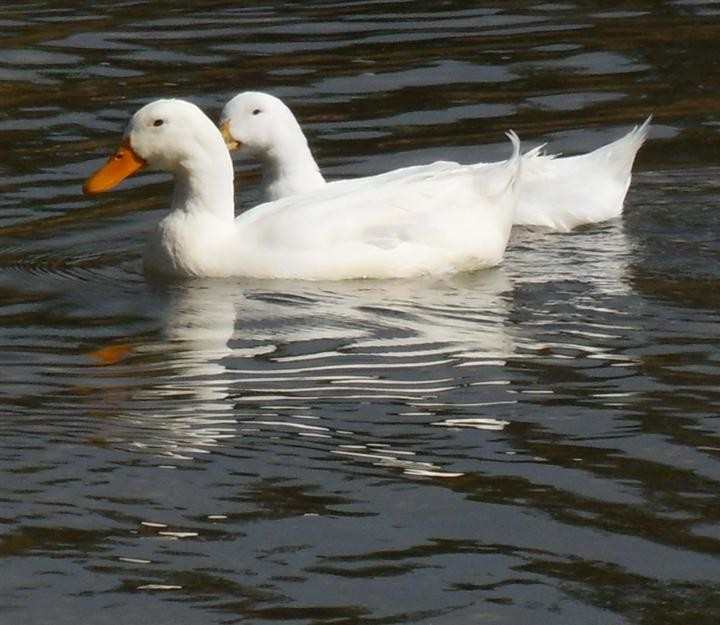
<point>430,221</point>
<point>554,193</point>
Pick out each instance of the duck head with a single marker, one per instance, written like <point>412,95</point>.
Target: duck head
<point>165,135</point>
<point>259,124</point>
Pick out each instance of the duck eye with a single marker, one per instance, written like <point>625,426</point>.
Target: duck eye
<point>158,122</point>
<point>257,112</point>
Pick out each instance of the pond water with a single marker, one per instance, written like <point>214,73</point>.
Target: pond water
<point>538,443</point>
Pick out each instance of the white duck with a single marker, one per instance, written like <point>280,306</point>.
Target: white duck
<point>437,220</point>
<point>555,193</point>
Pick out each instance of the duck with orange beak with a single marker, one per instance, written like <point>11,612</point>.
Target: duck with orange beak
<point>442,220</point>
<point>554,193</point>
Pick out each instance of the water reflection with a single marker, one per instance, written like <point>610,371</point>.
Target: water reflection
<point>186,410</point>
<point>242,359</point>
<point>536,444</point>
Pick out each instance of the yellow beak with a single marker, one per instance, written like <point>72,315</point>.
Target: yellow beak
<point>230,142</point>
<point>119,166</point>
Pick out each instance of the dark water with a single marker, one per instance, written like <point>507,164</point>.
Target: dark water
<point>535,444</point>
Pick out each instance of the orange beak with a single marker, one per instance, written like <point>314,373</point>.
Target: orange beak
<point>120,165</point>
<point>230,142</point>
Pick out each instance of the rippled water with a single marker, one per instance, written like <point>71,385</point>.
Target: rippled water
<point>534,444</point>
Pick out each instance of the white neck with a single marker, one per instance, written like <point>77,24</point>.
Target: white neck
<point>204,183</point>
<point>289,166</point>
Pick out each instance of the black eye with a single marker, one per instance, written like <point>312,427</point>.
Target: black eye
<point>158,122</point>
<point>257,112</point>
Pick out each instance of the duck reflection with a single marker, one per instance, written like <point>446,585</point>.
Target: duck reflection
<point>184,410</point>
<point>570,302</point>
<point>296,359</point>
<point>596,258</point>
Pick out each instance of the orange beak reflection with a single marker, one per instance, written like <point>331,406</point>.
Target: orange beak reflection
<point>120,165</point>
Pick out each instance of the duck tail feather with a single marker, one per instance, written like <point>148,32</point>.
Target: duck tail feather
<point>514,163</point>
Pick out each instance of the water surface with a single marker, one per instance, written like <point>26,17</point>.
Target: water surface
<point>538,443</point>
